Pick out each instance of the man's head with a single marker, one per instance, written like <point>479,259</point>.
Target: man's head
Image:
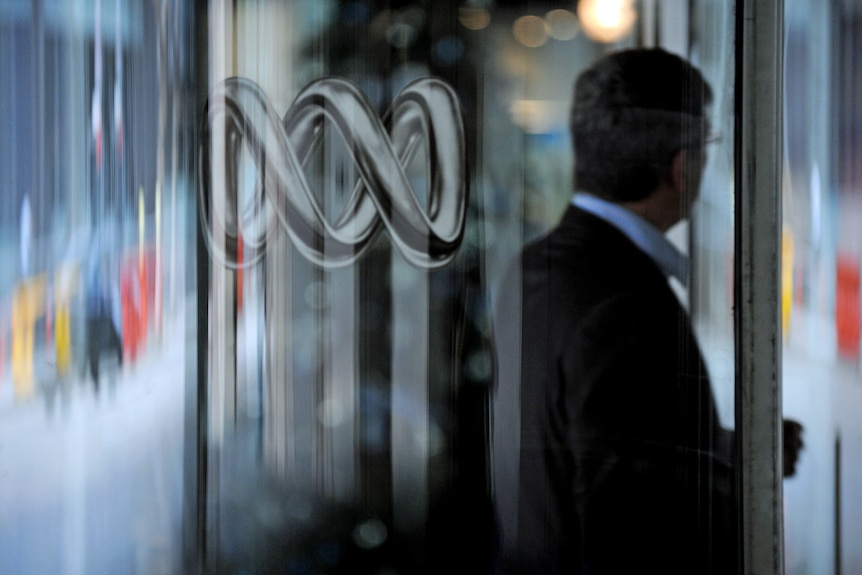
<point>633,112</point>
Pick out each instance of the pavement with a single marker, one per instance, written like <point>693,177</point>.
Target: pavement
<point>91,483</point>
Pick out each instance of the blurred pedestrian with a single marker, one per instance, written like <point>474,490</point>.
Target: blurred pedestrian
<point>623,466</point>
<point>103,325</point>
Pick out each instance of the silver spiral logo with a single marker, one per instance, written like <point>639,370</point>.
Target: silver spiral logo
<point>238,113</point>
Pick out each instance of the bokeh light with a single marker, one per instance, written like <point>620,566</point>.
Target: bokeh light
<point>474,18</point>
<point>531,31</point>
<point>448,50</point>
<point>562,24</point>
<point>607,20</point>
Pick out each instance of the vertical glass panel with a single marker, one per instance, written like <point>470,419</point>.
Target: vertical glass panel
<point>599,378</point>
<point>412,363</point>
<point>711,228</point>
<point>820,286</point>
<point>94,201</point>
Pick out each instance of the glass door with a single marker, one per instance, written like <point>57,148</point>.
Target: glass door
<point>374,177</point>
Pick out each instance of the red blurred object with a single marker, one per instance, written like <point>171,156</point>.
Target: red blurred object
<point>137,292</point>
<point>130,295</point>
<point>847,312</point>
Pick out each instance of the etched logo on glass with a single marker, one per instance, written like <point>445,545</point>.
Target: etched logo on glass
<point>425,111</point>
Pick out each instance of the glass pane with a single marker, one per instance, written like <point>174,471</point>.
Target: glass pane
<point>820,300</point>
<point>95,207</point>
<point>590,409</point>
<point>371,175</point>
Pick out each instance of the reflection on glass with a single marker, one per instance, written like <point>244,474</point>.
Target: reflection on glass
<point>94,161</point>
<point>606,429</point>
<point>820,300</point>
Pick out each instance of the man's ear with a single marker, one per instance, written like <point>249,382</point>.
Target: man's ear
<point>677,170</point>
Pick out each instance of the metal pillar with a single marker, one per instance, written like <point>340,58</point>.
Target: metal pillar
<point>759,103</point>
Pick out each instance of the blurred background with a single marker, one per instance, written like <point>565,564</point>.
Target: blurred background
<point>176,398</point>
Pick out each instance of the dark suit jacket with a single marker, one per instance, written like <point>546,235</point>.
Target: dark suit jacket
<point>623,465</point>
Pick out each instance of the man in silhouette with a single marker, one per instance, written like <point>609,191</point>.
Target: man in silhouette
<point>622,466</point>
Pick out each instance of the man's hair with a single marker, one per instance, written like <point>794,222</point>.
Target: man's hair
<point>632,112</point>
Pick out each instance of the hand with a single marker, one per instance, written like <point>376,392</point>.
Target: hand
<point>793,444</point>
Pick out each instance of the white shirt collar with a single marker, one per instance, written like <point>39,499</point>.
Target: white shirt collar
<point>643,234</point>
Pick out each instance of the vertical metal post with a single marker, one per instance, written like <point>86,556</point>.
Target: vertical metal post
<point>760,39</point>
<point>197,410</point>
<point>195,443</point>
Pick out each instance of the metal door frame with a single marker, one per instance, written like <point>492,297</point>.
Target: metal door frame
<point>758,163</point>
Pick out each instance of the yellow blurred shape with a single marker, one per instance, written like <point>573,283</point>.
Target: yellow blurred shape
<point>786,279</point>
<point>27,307</point>
<point>64,288</point>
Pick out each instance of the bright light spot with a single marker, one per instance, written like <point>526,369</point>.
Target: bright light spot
<point>474,18</point>
<point>562,24</point>
<point>607,20</point>
<point>609,14</point>
<point>531,31</point>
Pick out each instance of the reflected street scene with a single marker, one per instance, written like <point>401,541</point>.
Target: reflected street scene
<point>97,224</point>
